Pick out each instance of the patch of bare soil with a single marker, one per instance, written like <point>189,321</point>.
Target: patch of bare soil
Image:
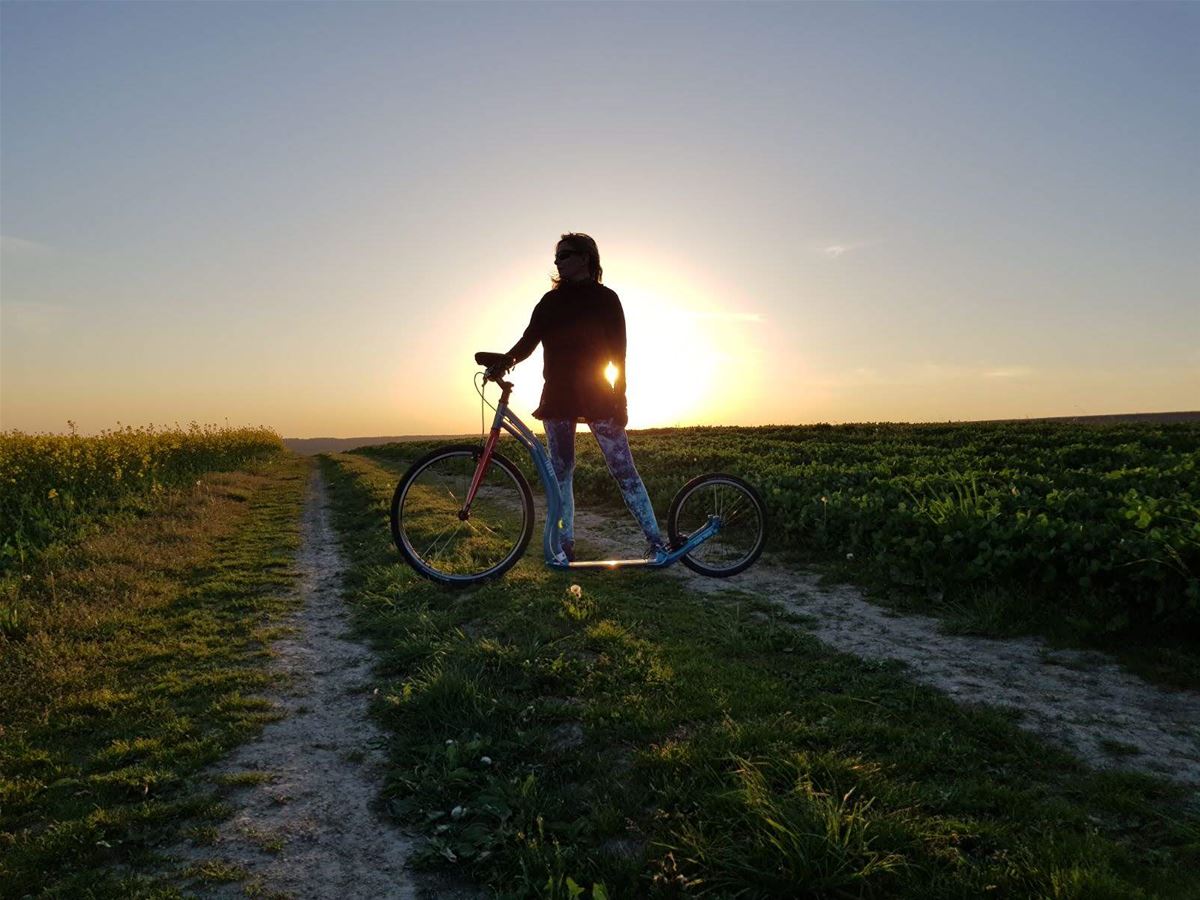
<point>1080,700</point>
<point>304,824</point>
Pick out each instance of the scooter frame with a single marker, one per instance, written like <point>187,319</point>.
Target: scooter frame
<point>506,420</point>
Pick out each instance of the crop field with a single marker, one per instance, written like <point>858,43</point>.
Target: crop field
<point>1033,523</point>
<point>52,485</point>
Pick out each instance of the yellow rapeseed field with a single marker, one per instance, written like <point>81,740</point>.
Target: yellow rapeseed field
<point>49,484</point>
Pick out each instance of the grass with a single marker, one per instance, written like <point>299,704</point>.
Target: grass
<point>217,871</point>
<point>203,835</point>
<point>267,841</point>
<point>245,779</point>
<point>140,659</point>
<point>634,740</point>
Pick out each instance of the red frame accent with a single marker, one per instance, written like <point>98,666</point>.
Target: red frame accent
<point>484,458</point>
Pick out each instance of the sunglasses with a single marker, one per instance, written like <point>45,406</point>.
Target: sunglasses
<point>561,257</point>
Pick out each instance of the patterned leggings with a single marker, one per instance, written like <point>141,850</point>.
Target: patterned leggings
<point>560,435</point>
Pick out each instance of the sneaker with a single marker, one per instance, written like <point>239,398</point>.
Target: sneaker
<point>657,552</point>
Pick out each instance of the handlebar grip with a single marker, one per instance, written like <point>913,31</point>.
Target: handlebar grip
<point>499,367</point>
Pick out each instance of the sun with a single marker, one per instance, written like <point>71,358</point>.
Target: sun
<point>692,353</point>
<point>671,362</point>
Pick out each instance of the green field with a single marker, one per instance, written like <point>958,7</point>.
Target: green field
<point>1092,532</point>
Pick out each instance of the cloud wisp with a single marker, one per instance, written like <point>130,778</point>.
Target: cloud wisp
<point>838,250</point>
<point>20,247</point>
<point>1011,372</point>
<point>754,318</point>
<point>923,373</point>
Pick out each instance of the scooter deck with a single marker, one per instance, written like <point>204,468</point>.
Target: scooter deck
<point>609,564</point>
<point>693,541</point>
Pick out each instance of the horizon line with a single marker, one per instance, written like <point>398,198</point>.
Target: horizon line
<point>1169,415</point>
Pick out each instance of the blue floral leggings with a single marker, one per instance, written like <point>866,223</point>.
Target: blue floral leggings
<point>560,435</point>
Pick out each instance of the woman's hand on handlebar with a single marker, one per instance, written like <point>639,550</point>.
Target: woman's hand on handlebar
<point>496,371</point>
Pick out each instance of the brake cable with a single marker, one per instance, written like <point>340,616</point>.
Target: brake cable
<point>479,388</point>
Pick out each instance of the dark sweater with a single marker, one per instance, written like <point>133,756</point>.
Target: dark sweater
<point>581,327</point>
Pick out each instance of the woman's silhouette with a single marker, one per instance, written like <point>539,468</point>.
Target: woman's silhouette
<point>581,327</point>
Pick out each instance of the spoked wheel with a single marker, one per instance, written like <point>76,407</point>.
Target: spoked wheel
<point>743,523</point>
<point>437,541</point>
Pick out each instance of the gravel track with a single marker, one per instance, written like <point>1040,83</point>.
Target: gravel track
<point>311,831</point>
<point>1082,701</point>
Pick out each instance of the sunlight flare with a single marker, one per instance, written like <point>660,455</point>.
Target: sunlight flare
<point>689,360</point>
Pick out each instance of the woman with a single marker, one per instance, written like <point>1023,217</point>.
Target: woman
<point>581,327</point>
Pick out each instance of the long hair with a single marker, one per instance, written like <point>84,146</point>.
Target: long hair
<point>584,244</point>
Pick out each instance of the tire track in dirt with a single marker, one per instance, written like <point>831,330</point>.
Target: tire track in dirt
<point>1083,701</point>
<point>309,830</point>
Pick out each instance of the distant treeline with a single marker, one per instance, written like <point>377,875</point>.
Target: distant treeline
<point>1158,418</point>
<point>313,446</point>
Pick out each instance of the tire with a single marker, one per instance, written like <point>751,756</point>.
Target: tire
<point>444,548</point>
<point>743,531</point>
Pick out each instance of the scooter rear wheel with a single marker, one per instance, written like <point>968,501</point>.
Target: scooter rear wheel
<point>743,516</point>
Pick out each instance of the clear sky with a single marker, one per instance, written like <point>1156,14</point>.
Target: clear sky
<point>310,215</point>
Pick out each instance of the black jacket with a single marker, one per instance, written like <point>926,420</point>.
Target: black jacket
<point>581,327</point>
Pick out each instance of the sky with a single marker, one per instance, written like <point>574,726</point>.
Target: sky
<point>311,215</point>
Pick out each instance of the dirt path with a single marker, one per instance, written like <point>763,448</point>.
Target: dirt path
<point>308,828</point>
<point>1083,701</point>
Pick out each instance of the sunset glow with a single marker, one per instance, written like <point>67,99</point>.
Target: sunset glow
<point>796,233</point>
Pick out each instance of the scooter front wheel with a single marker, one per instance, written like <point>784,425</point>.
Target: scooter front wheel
<point>743,523</point>
<point>437,540</point>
